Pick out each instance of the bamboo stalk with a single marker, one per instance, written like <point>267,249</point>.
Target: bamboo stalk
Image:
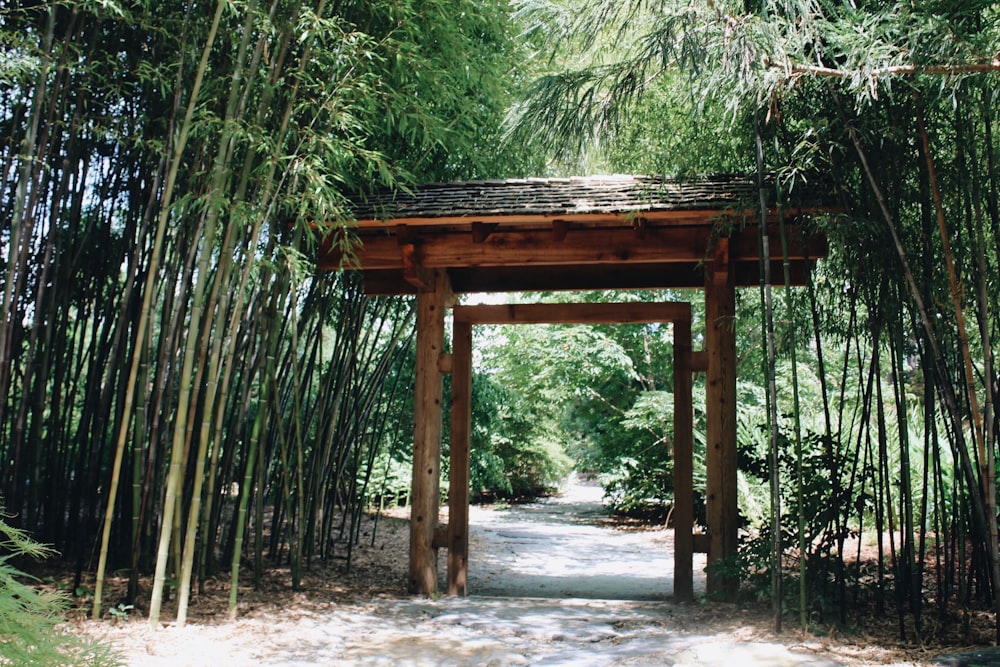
<point>772,394</point>
<point>947,391</point>
<point>174,477</point>
<point>143,322</point>
<point>983,311</point>
<point>247,485</point>
<point>910,581</point>
<point>797,430</point>
<point>955,289</point>
<point>199,344</point>
<point>21,222</point>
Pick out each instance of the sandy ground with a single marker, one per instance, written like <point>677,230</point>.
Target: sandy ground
<point>560,549</point>
<point>550,585</point>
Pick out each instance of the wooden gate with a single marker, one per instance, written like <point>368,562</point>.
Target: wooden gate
<point>465,317</point>
<point>589,233</point>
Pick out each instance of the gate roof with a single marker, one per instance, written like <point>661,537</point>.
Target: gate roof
<point>598,232</point>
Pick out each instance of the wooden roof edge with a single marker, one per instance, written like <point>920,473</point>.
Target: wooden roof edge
<point>676,216</point>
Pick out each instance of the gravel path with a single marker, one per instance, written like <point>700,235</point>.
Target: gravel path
<point>550,586</point>
<point>560,549</point>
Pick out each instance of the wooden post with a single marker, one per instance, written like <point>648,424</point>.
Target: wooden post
<point>720,411</point>
<point>458,483</point>
<point>428,389</point>
<point>683,512</point>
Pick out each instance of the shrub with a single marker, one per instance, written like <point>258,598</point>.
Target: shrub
<point>30,616</point>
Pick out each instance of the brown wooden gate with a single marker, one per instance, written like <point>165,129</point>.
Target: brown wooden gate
<point>465,317</point>
<point>590,233</point>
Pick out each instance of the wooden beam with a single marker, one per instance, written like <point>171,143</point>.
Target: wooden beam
<point>540,248</point>
<point>576,278</point>
<point>461,435</point>
<point>573,313</point>
<point>683,455</point>
<point>720,412</point>
<point>428,389</point>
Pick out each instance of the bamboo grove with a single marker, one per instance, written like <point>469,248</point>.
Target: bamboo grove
<point>868,399</point>
<point>182,393</point>
<point>181,389</point>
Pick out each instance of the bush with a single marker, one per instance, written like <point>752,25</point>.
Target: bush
<point>30,616</point>
<point>509,458</point>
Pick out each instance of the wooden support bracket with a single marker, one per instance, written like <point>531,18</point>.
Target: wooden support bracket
<point>559,229</point>
<point>699,361</point>
<point>482,230</point>
<point>440,540</point>
<point>413,272</point>
<point>701,541</point>
<point>720,262</point>
<point>445,363</point>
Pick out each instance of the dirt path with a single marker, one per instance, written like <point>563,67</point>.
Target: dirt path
<point>550,586</point>
<point>561,549</point>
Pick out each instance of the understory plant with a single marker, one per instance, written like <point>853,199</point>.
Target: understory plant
<point>30,616</point>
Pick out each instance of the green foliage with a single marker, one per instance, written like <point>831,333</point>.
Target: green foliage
<point>637,473</point>
<point>509,458</point>
<point>606,56</point>
<point>826,490</point>
<point>599,393</point>
<point>30,616</point>
<point>682,130</point>
<point>121,611</point>
<point>390,479</point>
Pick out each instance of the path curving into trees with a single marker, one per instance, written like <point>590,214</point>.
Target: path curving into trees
<point>564,547</point>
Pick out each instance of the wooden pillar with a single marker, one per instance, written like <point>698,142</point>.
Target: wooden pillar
<point>432,302</point>
<point>683,512</point>
<point>458,483</point>
<point>720,411</point>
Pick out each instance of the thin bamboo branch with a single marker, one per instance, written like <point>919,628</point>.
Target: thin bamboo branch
<point>798,69</point>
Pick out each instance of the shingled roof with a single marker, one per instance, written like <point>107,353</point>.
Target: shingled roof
<point>593,232</point>
<point>559,196</point>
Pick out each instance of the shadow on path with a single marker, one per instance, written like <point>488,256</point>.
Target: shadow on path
<point>551,587</point>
